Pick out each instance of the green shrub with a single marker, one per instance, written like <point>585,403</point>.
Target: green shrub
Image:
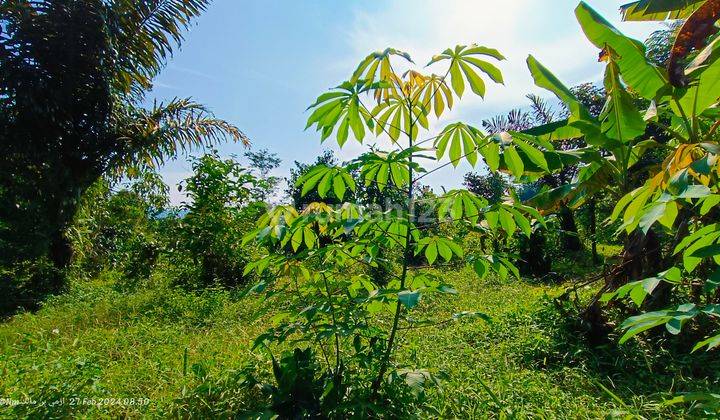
<point>222,396</point>
<point>118,230</point>
<point>25,284</point>
<point>220,211</point>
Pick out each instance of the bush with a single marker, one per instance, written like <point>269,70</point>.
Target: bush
<point>209,251</point>
<point>221,210</point>
<point>301,388</point>
<point>117,230</point>
<point>131,230</point>
<point>223,396</point>
<point>27,283</point>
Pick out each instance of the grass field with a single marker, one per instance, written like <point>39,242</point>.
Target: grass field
<point>178,354</point>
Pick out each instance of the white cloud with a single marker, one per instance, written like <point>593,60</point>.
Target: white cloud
<point>162,85</point>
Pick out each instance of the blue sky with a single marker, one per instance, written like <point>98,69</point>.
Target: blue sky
<point>259,64</point>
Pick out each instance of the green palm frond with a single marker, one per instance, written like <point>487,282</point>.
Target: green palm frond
<point>150,136</point>
<point>143,33</point>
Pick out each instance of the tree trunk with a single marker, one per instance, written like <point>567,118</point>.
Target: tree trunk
<point>593,231</point>
<point>641,258</point>
<point>569,235</point>
<point>60,213</point>
<point>60,252</point>
<point>660,297</point>
<point>536,263</point>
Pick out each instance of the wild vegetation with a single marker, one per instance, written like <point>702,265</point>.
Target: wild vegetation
<point>576,275</point>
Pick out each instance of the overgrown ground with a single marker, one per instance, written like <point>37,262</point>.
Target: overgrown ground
<point>182,352</point>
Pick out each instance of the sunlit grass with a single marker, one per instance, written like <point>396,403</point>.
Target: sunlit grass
<point>98,342</point>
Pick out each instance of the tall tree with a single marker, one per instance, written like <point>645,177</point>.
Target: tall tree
<point>73,78</point>
<point>492,187</point>
<point>294,191</point>
<point>262,162</point>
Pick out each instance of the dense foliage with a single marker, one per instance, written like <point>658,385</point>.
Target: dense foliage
<point>538,290</point>
<point>317,254</point>
<point>223,202</point>
<point>73,78</point>
<point>672,194</point>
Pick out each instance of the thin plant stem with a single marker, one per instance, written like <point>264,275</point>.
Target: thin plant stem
<point>686,121</point>
<point>444,165</point>
<point>403,277</point>
<point>320,343</point>
<point>334,319</point>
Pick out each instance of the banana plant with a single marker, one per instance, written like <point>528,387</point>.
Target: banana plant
<point>615,139</point>
<point>700,17</point>
<point>653,10</point>
<point>681,193</point>
<point>687,115</point>
<point>315,253</point>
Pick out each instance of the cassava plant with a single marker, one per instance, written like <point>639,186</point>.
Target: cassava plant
<point>319,255</point>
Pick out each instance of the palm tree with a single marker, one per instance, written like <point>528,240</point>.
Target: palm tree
<point>74,75</point>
